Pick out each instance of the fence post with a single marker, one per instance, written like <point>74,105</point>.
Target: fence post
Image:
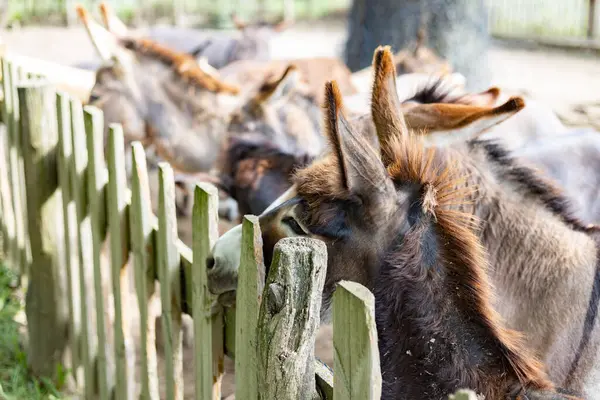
<point>591,33</point>
<point>356,371</point>
<point>8,214</point>
<point>168,264</point>
<point>78,172</point>
<point>251,282</point>
<point>208,328</point>
<point>142,242</point>
<point>17,174</point>
<point>97,176</point>
<point>289,318</point>
<point>46,305</point>
<point>119,245</point>
<point>65,153</point>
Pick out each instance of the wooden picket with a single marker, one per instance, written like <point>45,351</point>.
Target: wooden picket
<point>65,154</point>
<point>274,315</point>
<point>208,327</point>
<point>117,210</point>
<point>167,260</point>
<point>142,226</point>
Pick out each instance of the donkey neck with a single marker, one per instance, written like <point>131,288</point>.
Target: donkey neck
<point>432,336</point>
<point>186,124</point>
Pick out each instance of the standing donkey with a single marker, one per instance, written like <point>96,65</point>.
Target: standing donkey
<point>161,97</point>
<point>396,217</point>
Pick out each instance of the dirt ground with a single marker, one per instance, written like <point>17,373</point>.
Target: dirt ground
<point>567,82</point>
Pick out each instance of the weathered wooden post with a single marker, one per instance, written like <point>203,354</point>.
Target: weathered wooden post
<point>168,265</point>
<point>141,226</point>
<point>591,32</point>
<point>208,327</point>
<point>119,244</point>
<point>357,374</point>
<point>289,318</point>
<point>46,304</point>
<point>78,175</point>
<point>65,154</point>
<point>251,282</point>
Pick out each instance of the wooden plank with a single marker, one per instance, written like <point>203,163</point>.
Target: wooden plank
<point>65,153</point>
<point>208,326</point>
<point>78,172</point>
<point>251,282</point>
<point>170,282</point>
<point>17,76</point>
<point>142,241</point>
<point>46,307</point>
<point>75,81</point>
<point>16,171</point>
<point>289,319</point>
<point>96,182</point>
<point>118,198</point>
<point>8,215</point>
<point>357,375</point>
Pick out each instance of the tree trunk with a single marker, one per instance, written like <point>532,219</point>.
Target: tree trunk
<point>457,30</point>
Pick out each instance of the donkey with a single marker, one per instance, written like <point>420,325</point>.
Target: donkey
<point>257,172</point>
<point>254,43</point>
<point>219,50</point>
<point>161,97</point>
<point>376,187</point>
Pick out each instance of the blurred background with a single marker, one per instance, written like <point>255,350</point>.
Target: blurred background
<point>543,48</point>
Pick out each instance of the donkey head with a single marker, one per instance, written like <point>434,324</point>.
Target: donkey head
<point>160,96</point>
<point>283,113</point>
<point>257,173</point>
<point>346,198</point>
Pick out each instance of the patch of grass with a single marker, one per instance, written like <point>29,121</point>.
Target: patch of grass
<point>15,381</point>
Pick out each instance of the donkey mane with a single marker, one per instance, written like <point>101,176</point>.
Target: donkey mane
<point>463,256</point>
<point>533,183</point>
<point>435,91</point>
<point>182,64</point>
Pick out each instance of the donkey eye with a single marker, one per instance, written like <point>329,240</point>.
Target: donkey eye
<point>294,225</point>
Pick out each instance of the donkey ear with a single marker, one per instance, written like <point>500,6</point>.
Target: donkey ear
<point>484,99</point>
<point>111,21</point>
<point>361,170</point>
<point>277,89</point>
<point>104,42</point>
<point>457,121</point>
<point>385,104</point>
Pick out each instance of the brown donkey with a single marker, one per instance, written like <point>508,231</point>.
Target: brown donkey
<point>364,202</point>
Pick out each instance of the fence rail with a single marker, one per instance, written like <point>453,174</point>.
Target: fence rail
<point>95,240</point>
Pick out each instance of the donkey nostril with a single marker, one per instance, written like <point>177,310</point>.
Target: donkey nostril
<point>210,262</point>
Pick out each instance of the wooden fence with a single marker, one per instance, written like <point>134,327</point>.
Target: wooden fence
<point>66,210</point>
<point>89,249</point>
<point>544,18</point>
